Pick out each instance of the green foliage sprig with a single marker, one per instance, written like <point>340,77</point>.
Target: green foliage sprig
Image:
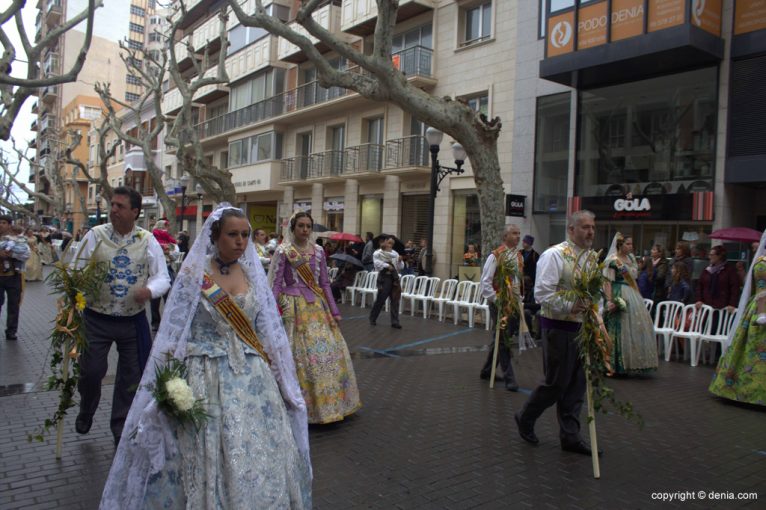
<point>593,339</point>
<point>74,286</point>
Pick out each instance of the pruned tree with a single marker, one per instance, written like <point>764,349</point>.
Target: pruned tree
<point>11,171</point>
<point>182,134</point>
<point>375,77</point>
<point>13,90</point>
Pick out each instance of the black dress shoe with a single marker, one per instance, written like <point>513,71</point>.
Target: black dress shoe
<point>510,380</point>
<point>396,326</point>
<point>83,423</point>
<point>11,338</point>
<point>483,375</point>
<point>526,432</point>
<point>580,447</point>
<point>372,323</point>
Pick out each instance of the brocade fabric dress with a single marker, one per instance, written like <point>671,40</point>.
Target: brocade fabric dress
<point>244,456</point>
<point>322,361</point>
<point>631,330</point>
<point>741,372</point>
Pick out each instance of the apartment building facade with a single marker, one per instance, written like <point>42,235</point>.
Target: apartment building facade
<point>651,113</point>
<point>114,22</point>
<point>355,164</point>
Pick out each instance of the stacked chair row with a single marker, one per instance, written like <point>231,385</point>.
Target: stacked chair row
<point>674,321</point>
<point>423,293</point>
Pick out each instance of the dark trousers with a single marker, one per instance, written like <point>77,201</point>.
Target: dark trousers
<point>11,286</point>
<point>93,366</point>
<point>155,304</point>
<point>504,353</point>
<point>564,385</point>
<point>385,286</point>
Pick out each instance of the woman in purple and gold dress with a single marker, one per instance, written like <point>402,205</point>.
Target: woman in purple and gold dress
<point>301,286</point>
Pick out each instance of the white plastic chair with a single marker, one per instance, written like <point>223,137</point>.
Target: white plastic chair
<point>429,290</point>
<point>406,282</point>
<point>478,303</point>
<point>445,294</point>
<point>416,287</point>
<point>664,323</point>
<point>649,304</point>
<point>332,273</point>
<point>354,287</point>
<point>463,299</point>
<point>724,320</point>
<point>691,328</point>
<point>370,288</point>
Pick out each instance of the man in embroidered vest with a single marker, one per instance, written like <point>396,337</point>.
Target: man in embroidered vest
<point>560,322</point>
<point>509,257</point>
<point>137,273</point>
<point>14,251</point>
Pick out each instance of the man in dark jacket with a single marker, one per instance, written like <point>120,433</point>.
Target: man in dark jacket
<point>719,284</point>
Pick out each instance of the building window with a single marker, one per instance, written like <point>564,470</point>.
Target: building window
<point>132,80</point>
<point>479,103</point>
<point>155,37</point>
<point>551,153</point>
<point>135,27</point>
<point>542,17</point>
<point>130,97</point>
<point>466,224</point>
<point>135,45</point>
<point>135,62</point>
<point>656,136</point>
<point>254,149</point>
<point>476,21</point>
<point>256,89</point>
<point>138,11</point>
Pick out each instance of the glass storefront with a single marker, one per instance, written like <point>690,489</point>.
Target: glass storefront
<point>371,214</point>
<point>648,138</point>
<point>466,227</point>
<point>552,153</point>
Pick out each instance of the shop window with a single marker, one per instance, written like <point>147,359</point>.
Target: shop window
<point>551,153</point>
<point>476,22</point>
<point>652,137</point>
<point>466,226</point>
<point>372,214</point>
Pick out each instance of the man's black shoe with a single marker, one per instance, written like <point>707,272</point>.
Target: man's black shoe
<point>510,383</point>
<point>11,338</point>
<point>372,323</point>
<point>396,326</point>
<point>526,432</point>
<point>83,423</point>
<point>580,447</point>
<point>484,375</point>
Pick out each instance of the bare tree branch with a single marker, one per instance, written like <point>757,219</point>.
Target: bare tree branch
<point>14,91</point>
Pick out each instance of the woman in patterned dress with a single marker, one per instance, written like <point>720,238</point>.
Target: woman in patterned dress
<point>252,450</point>
<point>741,372</point>
<point>626,317</point>
<point>298,273</point>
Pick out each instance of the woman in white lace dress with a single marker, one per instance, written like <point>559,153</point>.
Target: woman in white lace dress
<point>252,452</point>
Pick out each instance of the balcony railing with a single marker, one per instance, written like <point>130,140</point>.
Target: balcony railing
<point>327,164</point>
<point>407,152</point>
<point>364,158</point>
<point>295,168</point>
<point>415,61</point>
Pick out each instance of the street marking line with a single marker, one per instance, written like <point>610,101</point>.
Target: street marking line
<point>378,351</point>
<point>428,340</point>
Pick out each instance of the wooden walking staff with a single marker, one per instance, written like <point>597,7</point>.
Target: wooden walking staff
<point>591,420</point>
<point>494,354</point>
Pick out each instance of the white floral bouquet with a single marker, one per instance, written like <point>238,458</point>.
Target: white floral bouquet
<point>174,396</point>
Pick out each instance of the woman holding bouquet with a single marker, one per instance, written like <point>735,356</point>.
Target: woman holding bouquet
<point>627,319</point>
<point>298,273</point>
<point>251,450</point>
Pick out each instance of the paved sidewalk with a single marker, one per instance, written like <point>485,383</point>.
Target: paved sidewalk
<point>431,434</point>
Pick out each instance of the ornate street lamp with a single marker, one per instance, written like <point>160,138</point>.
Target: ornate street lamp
<point>438,173</point>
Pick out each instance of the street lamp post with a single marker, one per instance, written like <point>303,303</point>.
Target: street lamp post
<point>98,209</point>
<point>200,193</point>
<point>438,173</point>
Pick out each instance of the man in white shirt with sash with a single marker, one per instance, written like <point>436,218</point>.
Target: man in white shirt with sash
<point>137,273</point>
<point>560,322</point>
<point>259,241</point>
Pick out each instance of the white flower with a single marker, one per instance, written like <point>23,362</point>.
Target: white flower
<point>180,394</point>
